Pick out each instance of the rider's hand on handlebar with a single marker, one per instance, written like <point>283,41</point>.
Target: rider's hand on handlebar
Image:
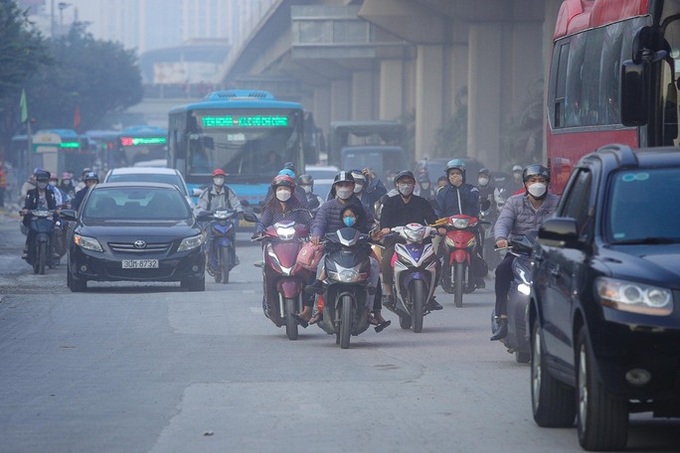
<point>441,231</point>
<point>502,244</point>
<point>24,211</point>
<point>315,240</point>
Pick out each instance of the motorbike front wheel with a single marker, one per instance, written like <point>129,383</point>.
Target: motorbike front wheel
<point>418,299</point>
<point>224,268</point>
<point>459,283</point>
<point>345,321</point>
<point>289,307</point>
<point>40,259</point>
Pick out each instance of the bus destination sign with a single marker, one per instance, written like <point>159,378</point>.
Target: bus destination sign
<point>141,141</point>
<point>245,121</point>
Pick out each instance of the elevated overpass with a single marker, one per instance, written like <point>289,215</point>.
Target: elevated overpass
<point>394,59</point>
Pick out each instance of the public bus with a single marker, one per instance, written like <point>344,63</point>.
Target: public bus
<point>59,150</point>
<point>248,134</point>
<point>140,144</point>
<point>612,79</point>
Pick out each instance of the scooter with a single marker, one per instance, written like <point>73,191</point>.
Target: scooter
<point>517,340</point>
<point>459,245</point>
<point>221,250</point>
<point>487,218</point>
<point>346,288</point>
<point>415,274</point>
<point>41,227</point>
<point>283,279</point>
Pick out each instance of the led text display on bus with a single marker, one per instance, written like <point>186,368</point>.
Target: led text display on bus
<point>244,121</point>
<point>141,141</point>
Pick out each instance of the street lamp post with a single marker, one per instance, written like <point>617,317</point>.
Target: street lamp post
<point>62,6</point>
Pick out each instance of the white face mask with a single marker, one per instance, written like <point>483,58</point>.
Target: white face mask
<point>218,181</point>
<point>405,189</point>
<point>537,189</point>
<point>483,181</point>
<point>283,194</point>
<point>307,189</point>
<point>344,192</point>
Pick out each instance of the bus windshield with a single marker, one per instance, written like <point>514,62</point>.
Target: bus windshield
<point>246,144</point>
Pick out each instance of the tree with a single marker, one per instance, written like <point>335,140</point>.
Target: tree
<point>22,52</point>
<point>94,77</point>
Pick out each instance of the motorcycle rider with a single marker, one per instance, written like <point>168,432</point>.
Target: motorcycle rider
<point>314,201</point>
<point>458,197</point>
<point>67,185</point>
<point>284,205</point>
<point>426,191</point>
<point>330,218</point>
<point>38,198</point>
<point>218,195</point>
<point>91,179</point>
<point>373,190</point>
<point>522,214</point>
<point>401,210</point>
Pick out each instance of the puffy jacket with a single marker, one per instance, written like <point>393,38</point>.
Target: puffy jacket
<point>447,200</point>
<point>518,217</point>
<point>327,219</point>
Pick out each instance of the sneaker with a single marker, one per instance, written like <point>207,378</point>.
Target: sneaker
<point>501,329</point>
<point>433,305</point>
<point>480,284</point>
<point>388,302</point>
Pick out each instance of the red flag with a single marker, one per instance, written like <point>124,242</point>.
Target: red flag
<point>76,118</point>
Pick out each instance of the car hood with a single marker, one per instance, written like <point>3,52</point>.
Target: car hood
<point>657,263</point>
<point>160,230</point>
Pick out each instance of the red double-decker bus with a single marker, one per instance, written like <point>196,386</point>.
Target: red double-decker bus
<point>612,78</point>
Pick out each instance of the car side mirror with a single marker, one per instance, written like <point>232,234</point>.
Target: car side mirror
<point>634,94</point>
<point>69,214</point>
<point>559,232</point>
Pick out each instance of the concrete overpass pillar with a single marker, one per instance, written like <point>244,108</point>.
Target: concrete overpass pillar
<point>321,108</point>
<point>340,100</point>
<point>484,93</point>
<point>429,99</point>
<point>362,95</point>
<point>391,89</point>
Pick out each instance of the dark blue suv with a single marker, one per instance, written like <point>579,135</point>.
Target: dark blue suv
<point>604,314</point>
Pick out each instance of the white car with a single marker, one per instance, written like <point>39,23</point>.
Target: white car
<point>323,178</point>
<point>149,174</point>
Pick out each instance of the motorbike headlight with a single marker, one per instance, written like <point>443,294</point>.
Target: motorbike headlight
<point>190,243</point>
<point>461,224</point>
<point>87,243</point>
<point>634,297</point>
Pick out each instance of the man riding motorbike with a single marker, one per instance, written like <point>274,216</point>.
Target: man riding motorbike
<point>38,198</point>
<point>521,215</point>
<point>314,201</point>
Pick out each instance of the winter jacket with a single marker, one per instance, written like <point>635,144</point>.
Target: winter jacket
<point>448,196</point>
<point>327,219</point>
<point>518,217</point>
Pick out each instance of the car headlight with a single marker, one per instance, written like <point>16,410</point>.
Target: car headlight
<point>634,297</point>
<point>87,243</point>
<point>190,243</point>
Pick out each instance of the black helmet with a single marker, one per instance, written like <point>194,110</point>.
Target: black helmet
<point>42,176</point>
<point>306,180</point>
<point>290,166</point>
<point>343,176</point>
<point>92,176</point>
<point>404,174</point>
<point>484,171</point>
<point>535,170</point>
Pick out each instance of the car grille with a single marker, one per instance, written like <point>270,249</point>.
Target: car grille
<point>129,247</point>
<point>140,274</point>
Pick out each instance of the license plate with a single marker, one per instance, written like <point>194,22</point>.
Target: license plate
<point>140,264</point>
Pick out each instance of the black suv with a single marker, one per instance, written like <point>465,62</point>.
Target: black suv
<point>604,314</point>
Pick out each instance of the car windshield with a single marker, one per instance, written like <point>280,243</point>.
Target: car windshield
<point>172,179</point>
<point>644,207</point>
<point>136,203</point>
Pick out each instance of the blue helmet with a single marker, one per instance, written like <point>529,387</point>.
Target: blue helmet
<point>287,172</point>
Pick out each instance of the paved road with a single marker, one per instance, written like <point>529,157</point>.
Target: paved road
<point>147,368</point>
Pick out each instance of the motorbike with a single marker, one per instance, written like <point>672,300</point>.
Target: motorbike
<point>415,274</point>
<point>487,218</point>
<point>221,251</point>
<point>283,279</point>
<point>41,226</point>
<point>346,289</point>
<point>60,242</point>
<point>459,245</point>
<point>517,340</point>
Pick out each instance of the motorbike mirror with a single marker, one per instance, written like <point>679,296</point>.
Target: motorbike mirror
<point>69,214</point>
<point>249,217</point>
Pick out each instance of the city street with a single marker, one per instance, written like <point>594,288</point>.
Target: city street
<point>131,367</point>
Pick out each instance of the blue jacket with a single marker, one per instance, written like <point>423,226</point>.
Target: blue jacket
<point>447,200</point>
<point>327,219</point>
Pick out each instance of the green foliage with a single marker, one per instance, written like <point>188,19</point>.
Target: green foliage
<point>98,77</point>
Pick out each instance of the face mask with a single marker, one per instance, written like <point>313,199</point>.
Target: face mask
<point>358,188</point>
<point>66,182</point>
<point>483,181</point>
<point>425,185</point>
<point>349,221</point>
<point>517,176</point>
<point>537,189</point>
<point>42,185</point>
<point>53,183</point>
<point>307,189</point>
<point>344,193</point>
<point>283,194</point>
<point>218,181</point>
<point>405,189</point>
